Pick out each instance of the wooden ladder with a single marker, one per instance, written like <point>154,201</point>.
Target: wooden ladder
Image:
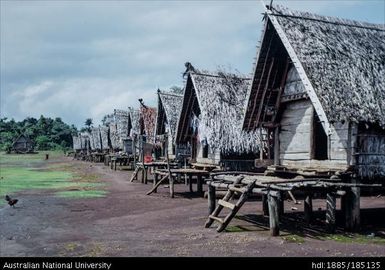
<point>224,202</point>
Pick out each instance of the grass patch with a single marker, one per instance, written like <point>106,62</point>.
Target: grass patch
<point>17,179</point>
<point>23,160</point>
<point>81,193</point>
<point>235,229</point>
<point>294,239</point>
<point>31,171</point>
<point>355,238</point>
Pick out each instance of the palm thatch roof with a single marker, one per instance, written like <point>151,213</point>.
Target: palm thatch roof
<point>95,139</point>
<point>134,122</point>
<point>169,107</point>
<point>104,135</point>
<point>341,63</point>
<point>147,120</point>
<point>214,104</point>
<point>76,142</point>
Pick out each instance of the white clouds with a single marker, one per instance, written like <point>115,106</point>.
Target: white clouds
<point>83,59</point>
<point>77,99</point>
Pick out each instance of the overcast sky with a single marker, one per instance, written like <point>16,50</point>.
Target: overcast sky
<point>80,59</point>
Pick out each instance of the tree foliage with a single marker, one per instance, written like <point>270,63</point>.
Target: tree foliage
<point>45,132</point>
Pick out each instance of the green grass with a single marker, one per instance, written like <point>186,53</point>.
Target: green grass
<point>294,239</point>
<point>31,172</point>
<point>355,238</point>
<point>81,193</point>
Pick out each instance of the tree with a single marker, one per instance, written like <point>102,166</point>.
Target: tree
<point>42,142</point>
<point>47,133</point>
<point>88,124</point>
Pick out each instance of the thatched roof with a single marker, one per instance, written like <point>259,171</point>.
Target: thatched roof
<point>122,123</point>
<point>220,98</point>
<point>148,118</point>
<point>95,139</point>
<point>341,62</point>
<point>104,134</point>
<point>134,121</point>
<point>169,107</point>
<point>76,142</point>
<point>114,137</point>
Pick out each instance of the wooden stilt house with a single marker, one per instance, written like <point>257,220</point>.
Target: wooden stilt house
<point>211,116</point>
<point>169,107</point>
<point>319,92</point>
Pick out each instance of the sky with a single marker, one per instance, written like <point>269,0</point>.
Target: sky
<point>83,59</point>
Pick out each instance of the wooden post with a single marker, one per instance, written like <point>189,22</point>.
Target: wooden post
<point>171,178</point>
<point>281,204</point>
<point>199,184</point>
<point>273,214</point>
<point>308,208</point>
<point>276,146</point>
<point>352,209</point>
<point>211,198</point>
<point>331,211</point>
<point>145,169</point>
<point>265,207</point>
<point>155,181</point>
<point>142,169</point>
<point>190,182</point>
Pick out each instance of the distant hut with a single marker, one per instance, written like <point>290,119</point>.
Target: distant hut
<point>134,122</point>
<point>319,92</point>
<point>169,107</point>
<point>22,144</point>
<point>95,139</point>
<point>76,143</point>
<point>211,118</point>
<point>104,137</point>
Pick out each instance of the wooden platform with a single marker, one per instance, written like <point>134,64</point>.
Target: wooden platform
<point>176,173</point>
<point>273,189</point>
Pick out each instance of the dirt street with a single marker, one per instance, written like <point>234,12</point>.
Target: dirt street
<point>129,223</point>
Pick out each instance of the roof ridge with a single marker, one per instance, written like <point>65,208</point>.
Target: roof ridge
<point>169,94</point>
<point>218,76</point>
<point>285,12</point>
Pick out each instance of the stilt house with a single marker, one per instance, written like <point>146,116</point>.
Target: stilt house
<point>319,92</point>
<point>169,107</point>
<point>211,118</point>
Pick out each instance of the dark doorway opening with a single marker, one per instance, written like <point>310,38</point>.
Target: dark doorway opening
<point>320,140</point>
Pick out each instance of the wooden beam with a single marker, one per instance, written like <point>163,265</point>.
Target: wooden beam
<point>261,105</point>
<point>281,88</point>
<point>331,212</point>
<point>308,208</point>
<point>260,81</point>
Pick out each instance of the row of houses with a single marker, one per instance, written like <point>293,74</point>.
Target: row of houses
<point>315,101</point>
<point>313,107</point>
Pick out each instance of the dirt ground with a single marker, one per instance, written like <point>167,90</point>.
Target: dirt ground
<point>129,223</point>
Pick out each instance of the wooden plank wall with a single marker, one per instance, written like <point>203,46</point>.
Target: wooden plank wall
<point>294,136</point>
<point>295,139</point>
<point>371,154</point>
